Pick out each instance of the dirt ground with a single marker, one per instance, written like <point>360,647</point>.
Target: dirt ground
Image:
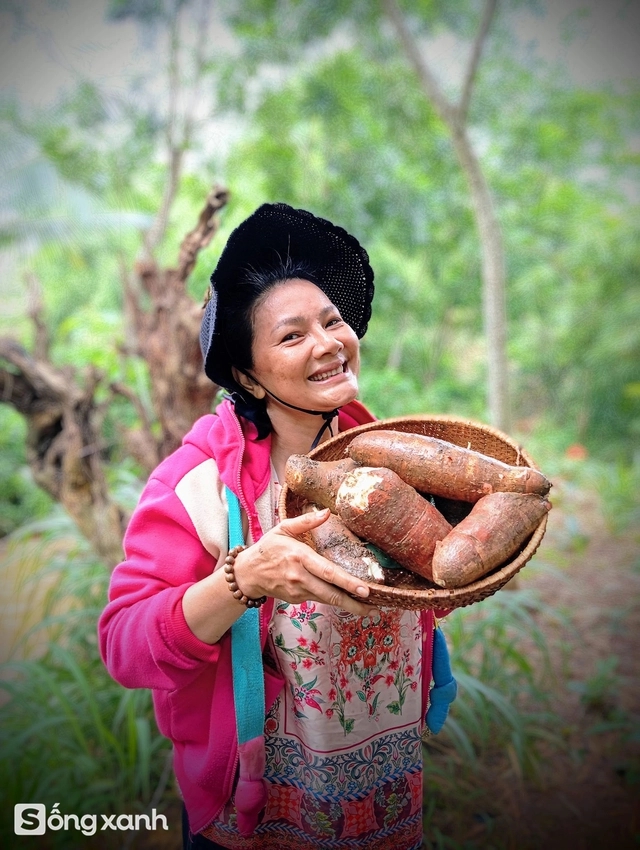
<point>587,796</point>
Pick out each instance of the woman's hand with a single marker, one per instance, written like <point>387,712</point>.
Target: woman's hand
<point>281,565</point>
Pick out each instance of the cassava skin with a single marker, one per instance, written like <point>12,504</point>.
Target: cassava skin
<point>444,469</point>
<point>493,531</point>
<point>334,541</point>
<point>379,507</point>
<point>317,481</point>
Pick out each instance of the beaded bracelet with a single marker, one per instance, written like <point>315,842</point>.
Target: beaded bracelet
<point>229,575</point>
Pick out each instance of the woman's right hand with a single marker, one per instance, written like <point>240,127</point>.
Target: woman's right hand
<point>281,565</point>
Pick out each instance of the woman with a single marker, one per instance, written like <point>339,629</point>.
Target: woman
<point>338,688</point>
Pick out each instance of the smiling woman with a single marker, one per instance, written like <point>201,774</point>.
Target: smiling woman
<point>306,362</point>
<point>298,725</point>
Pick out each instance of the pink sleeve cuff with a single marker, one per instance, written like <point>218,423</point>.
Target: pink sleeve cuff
<point>180,635</point>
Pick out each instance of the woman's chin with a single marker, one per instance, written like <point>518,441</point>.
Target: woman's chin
<point>337,396</point>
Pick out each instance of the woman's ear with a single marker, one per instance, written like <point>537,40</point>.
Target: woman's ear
<point>247,383</point>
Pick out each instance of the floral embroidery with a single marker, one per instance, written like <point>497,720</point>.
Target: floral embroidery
<point>342,739</point>
<point>322,818</point>
<point>303,694</point>
<point>403,680</point>
<point>393,800</point>
<point>414,781</point>
<point>305,652</point>
<point>368,641</point>
<point>366,647</point>
<point>271,723</point>
<point>304,613</point>
<point>340,696</point>
<point>368,654</point>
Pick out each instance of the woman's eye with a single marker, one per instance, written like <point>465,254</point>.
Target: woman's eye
<point>289,337</point>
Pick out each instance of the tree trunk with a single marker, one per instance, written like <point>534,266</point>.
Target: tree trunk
<point>489,233</point>
<point>167,335</point>
<point>493,280</point>
<point>66,450</point>
<point>64,446</point>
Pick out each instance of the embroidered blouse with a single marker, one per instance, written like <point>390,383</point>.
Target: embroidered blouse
<point>343,746</point>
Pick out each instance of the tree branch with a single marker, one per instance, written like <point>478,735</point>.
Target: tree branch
<point>474,60</point>
<point>47,383</point>
<point>443,107</point>
<point>119,388</point>
<point>202,233</point>
<point>140,442</point>
<point>155,233</point>
<point>488,226</point>
<point>35,312</point>
<point>64,444</point>
<point>167,333</point>
<point>198,68</point>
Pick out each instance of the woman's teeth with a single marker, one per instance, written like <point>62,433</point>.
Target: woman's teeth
<point>324,375</point>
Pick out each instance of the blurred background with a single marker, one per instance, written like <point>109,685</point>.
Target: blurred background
<point>486,154</point>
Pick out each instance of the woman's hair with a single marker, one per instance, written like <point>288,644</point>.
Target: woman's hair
<point>237,328</point>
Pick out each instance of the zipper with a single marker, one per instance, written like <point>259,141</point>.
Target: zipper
<point>429,644</point>
<point>239,491</point>
<point>252,529</point>
<point>243,504</point>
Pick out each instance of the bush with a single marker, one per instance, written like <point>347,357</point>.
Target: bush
<point>21,500</point>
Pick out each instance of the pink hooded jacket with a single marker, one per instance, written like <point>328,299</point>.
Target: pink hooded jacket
<point>177,536</point>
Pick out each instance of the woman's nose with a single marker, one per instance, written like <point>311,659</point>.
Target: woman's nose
<point>326,342</point>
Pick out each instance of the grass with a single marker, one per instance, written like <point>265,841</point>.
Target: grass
<point>68,733</point>
<point>501,659</point>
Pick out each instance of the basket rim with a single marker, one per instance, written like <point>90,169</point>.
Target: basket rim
<point>446,598</point>
<point>385,424</point>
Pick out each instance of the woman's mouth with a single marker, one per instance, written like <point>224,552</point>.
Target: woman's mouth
<point>330,373</point>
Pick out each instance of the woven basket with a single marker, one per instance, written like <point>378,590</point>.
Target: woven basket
<point>404,588</point>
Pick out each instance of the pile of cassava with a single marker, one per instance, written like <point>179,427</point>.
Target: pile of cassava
<point>389,496</point>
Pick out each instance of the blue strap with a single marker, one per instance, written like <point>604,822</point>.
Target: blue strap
<point>445,687</point>
<point>246,654</point>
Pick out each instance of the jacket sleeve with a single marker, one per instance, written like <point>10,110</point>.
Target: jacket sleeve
<point>144,639</point>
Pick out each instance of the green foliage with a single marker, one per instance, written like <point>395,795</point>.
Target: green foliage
<point>281,29</point>
<point>598,692</point>
<point>341,126</point>
<point>501,658</point>
<point>56,197</point>
<point>68,732</point>
<point>354,139</point>
<point>615,483</point>
<point>21,500</point>
<point>145,11</point>
<point>618,486</point>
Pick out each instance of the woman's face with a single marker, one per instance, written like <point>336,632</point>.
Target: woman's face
<point>303,352</point>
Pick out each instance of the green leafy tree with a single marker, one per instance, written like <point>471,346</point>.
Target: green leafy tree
<point>283,23</point>
<point>139,384</point>
<point>350,132</point>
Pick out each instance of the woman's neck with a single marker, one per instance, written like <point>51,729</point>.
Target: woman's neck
<point>293,433</point>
